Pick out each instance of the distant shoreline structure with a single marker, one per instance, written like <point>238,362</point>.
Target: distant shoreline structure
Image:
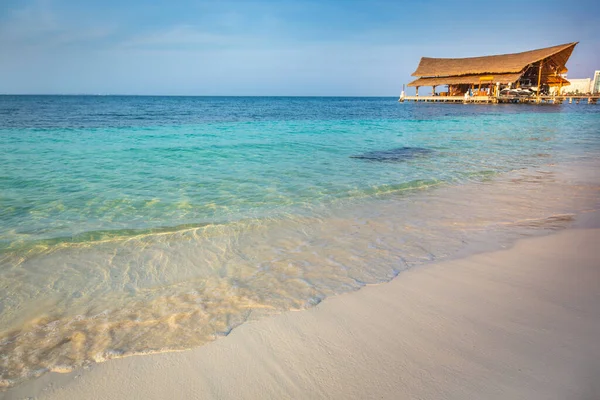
<point>535,76</point>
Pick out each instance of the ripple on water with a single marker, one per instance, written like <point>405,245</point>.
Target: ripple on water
<point>73,303</point>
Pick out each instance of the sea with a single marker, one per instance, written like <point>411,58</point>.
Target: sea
<point>132,225</point>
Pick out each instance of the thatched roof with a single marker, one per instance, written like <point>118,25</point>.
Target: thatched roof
<point>476,79</point>
<point>498,64</point>
<point>465,79</point>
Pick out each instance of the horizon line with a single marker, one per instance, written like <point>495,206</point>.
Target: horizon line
<point>182,95</point>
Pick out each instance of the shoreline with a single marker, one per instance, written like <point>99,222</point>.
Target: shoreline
<point>515,323</point>
<point>451,222</point>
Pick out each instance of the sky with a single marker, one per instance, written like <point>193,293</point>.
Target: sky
<point>269,47</point>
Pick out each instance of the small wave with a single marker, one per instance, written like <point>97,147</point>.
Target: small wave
<point>170,289</point>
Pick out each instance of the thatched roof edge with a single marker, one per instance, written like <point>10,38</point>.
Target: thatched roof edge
<point>493,64</point>
<point>465,80</point>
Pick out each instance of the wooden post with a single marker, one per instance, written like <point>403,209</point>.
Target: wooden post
<point>539,92</point>
<point>560,88</point>
<point>417,89</point>
<point>433,90</point>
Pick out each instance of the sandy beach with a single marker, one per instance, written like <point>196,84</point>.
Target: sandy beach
<point>521,323</point>
<point>298,200</point>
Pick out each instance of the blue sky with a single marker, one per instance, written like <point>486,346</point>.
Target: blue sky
<point>268,47</point>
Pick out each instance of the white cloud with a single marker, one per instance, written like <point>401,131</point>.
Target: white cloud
<point>180,36</point>
<point>38,25</point>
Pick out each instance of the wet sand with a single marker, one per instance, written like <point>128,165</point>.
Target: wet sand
<point>521,323</point>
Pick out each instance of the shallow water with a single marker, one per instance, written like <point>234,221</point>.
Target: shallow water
<point>132,225</point>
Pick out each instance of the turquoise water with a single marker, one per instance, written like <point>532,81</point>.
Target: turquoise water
<point>140,224</point>
<point>86,176</point>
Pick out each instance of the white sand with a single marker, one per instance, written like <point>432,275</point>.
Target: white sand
<point>523,323</point>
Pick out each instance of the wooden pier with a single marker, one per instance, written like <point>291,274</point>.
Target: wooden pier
<point>581,99</point>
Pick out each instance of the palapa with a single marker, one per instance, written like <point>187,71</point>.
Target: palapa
<point>504,68</point>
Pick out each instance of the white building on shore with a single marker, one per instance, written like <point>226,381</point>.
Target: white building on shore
<point>596,83</point>
<point>577,86</point>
